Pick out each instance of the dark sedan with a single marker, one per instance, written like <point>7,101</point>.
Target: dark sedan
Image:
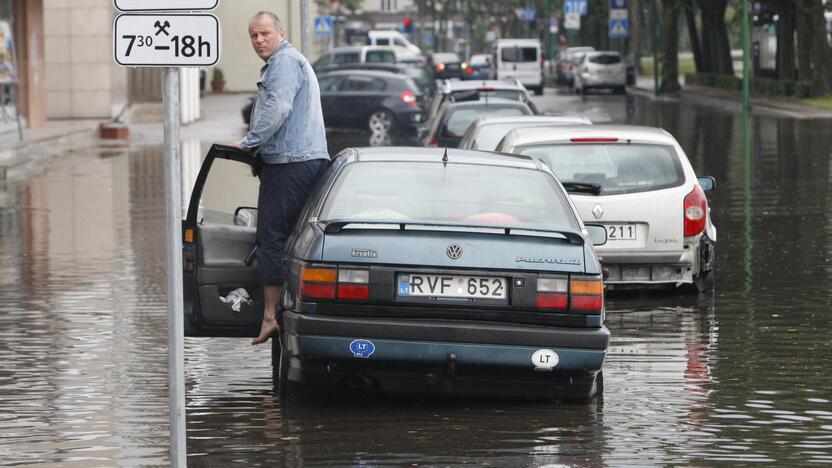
<point>447,65</point>
<point>452,119</point>
<point>379,101</point>
<point>420,76</point>
<point>407,272</point>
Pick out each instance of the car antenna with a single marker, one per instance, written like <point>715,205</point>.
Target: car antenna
<point>445,157</point>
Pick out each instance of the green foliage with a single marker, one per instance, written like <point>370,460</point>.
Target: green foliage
<point>804,89</point>
<point>218,75</point>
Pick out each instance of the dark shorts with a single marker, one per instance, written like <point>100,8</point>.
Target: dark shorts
<point>284,189</point>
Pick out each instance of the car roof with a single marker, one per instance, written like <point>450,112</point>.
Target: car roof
<point>455,156</point>
<point>535,119</point>
<point>338,50</point>
<point>595,53</point>
<point>486,103</point>
<point>564,133</point>
<point>371,66</point>
<point>358,71</point>
<point>467,85</point>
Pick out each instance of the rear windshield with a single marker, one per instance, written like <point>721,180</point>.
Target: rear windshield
<point>605,59</point>
<point>458,193</point>
<point>519,54</point>
<point>616,168</point>
<point>458,120</point>
<point>380,56</point>
<point>513,94</point>
<point>490,135</point>
<point>351,57</point>
<point>445,58</point>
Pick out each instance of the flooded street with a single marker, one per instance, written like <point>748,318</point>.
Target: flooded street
<point>739,376</point>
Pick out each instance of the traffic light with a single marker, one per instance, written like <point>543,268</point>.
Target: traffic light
<point>407,24</point>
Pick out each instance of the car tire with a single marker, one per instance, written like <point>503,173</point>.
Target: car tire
<point>381,121</point>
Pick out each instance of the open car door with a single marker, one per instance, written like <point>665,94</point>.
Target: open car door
<point>218,247</point>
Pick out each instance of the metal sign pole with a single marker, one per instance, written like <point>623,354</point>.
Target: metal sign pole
<point>304,27</point>
<point>176,326</point>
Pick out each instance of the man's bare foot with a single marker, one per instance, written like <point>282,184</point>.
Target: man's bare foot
<point>267,329</point>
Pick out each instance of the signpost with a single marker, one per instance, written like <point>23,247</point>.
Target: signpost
<point>619,19</point>
<point>572,21</point>
<point>165,36</point>
<point>323,25</point>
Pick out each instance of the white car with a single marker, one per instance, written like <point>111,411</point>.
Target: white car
<point>601,70</point>
<point>486,132</point>
<point>639,184</point>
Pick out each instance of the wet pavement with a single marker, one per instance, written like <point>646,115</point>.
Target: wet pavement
<point>739,376</point>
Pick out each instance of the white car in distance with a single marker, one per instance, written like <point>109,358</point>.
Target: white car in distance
<point>638,183</point>
<point>486,132</point>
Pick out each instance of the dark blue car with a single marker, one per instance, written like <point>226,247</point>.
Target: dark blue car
<point>411,270</point>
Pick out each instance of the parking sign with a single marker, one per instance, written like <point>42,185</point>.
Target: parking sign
<point>148,40</point>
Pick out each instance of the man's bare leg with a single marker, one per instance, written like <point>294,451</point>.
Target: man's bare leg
<point>269,327</point>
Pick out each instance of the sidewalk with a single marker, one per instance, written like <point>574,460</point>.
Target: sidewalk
<point>723,97</point>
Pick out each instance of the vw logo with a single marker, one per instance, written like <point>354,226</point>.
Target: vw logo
<point>454,251</point>
<point>598,211</point>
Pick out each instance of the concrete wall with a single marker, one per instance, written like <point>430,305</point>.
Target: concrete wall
<point>239,63</point>
<point>82,80</point>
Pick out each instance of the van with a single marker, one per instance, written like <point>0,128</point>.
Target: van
<point>405,50</point>
<point>521,60</point>
<point>364,54</point>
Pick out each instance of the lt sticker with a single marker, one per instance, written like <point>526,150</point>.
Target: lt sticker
<point>362,348</point>
<point>545,359</point>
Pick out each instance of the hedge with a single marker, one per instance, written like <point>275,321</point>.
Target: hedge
<point>759,86</point>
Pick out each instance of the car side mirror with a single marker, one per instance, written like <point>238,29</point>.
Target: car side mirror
<point>707,183</point>
<point>245,216</point>
<point>597,234</point>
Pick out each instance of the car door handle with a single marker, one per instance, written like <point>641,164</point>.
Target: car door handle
<point>251,255</point>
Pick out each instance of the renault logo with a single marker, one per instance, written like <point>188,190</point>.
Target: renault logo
<point>598,211</point>
<point>454,251</point>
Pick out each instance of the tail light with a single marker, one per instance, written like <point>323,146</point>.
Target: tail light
<point>440,68</point>
<point>329,283</point>
<point>593,140</point>
<point>581,294</point>
<point>696,211</point>
<point>469,70</point>
<point>433,142</point>
<point>464,65</point>
<point>409,98</point>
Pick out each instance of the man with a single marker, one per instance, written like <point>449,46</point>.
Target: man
<point>287,126</point>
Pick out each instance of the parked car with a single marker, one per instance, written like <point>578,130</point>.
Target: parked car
<point>449,90</point>
<point>447,127</point>
<point>479,67</point>
<point>351,55</point>
<point>486,132</point>
<point>601,70</point>
<point>520,59</point>
<point>569,72</point>
<point>564,58</point>
<point>379,101</point>
<point>407,272</point>
<point>423,78</point>
<point>405,50</point>
<point>446,65</point>
<point>638,183</point>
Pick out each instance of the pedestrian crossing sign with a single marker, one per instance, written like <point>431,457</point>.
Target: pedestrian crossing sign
<point>619,27</point>
<point>323,25</point>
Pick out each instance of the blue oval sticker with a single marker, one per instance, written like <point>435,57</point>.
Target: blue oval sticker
<point>362,348</point>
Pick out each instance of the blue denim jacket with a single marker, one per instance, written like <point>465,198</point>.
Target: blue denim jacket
<point>287,122</point>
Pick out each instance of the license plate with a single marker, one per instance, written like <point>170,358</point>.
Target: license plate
<point>455,287</point>
<point>621,232</point>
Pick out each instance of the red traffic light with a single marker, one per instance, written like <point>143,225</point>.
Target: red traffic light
<point>407,22</point>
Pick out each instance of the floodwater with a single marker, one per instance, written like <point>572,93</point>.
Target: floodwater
<point>739,376</point>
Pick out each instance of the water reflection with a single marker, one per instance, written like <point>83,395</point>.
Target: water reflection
<point>737,376</point>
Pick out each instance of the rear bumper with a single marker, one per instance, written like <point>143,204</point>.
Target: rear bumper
<point>653,268</point>
<point>428,356</point>
<point>596,81</point>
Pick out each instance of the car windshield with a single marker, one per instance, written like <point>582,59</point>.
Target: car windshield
<point>425,192</point>
<point>605,59</point>
<point>380,56</point>
<point>616,168</point>
<point>458,120</point>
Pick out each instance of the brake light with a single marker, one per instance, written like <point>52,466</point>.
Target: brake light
<point>485,89</point>
<point>582,294</point>
<point>440,68</point>
<point>593,140</point>
<point>469,71</point>
<point>328,283</point>
<point>586,294</point>
<point>696,210</point>
<point>408,98</point>
<point>433,142</point>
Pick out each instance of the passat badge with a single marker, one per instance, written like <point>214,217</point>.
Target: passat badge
<point>362,348</point>
<point>545,359</point>
<point>364,253</point>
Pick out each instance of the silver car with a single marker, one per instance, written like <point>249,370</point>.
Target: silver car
<point>638,183</point>
<point>486,132</point>
<point>601,70</point>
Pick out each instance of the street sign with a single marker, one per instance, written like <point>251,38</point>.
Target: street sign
<point>572,20</point>
<point>618,4</point>
<point>529,14</point>
<point>576,6</point>
<point>147,40</point>
<point>619,28</point>
<point>553,25</point>
<point>323,25</point>
<point>619,14</point>
<point>159,5</point>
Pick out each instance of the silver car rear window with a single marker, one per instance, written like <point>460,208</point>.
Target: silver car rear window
<point>422,192</point>
<point>459,119</point>
<point>616,168</point>
<point>607,59</point>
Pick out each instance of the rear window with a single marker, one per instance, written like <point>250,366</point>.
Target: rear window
<point>616,168</point>
<point>346,58</point>
<point>460,119</point>
<point>431,192</point>
<point>512,94</point>
<point>445,58</point>
<point>606,59</point>
<point>519,54</point>
<point>380,56</point>
<point>364,83</point>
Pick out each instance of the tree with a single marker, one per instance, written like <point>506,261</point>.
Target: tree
<point>670,46</point>
<point>714,43</point>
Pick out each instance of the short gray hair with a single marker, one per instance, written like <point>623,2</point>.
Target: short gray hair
<point>278,25</point>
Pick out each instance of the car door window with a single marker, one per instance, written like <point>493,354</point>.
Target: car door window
<point>352,57</point>
<point>329,84</point>
<point>228,188</point>
<point>322,62</point>
<point>363,83</point>
<point>399,43</point>
<point>382,41</point>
